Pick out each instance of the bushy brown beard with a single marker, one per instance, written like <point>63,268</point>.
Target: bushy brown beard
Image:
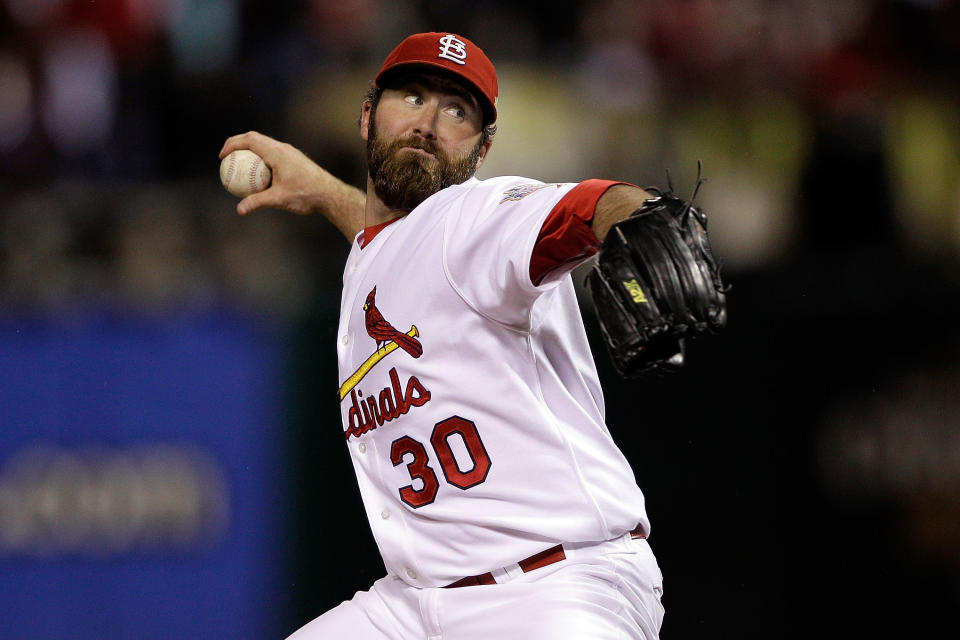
<point>402,180</point>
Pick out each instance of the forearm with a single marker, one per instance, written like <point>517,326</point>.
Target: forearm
<point>340,203</point>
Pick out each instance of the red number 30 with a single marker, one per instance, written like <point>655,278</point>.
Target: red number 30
<point>419,468</point>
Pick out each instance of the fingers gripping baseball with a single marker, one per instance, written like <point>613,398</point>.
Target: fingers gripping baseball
<point>295,178</point>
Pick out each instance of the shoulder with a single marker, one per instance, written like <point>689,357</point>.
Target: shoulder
<point>505,188</point>
<point>507,207</point>
<point>501,194</point>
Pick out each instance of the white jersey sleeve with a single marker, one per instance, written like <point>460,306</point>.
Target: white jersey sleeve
<point>490,233</point>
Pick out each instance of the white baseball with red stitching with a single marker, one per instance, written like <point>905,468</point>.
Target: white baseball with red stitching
<point>243,172</point>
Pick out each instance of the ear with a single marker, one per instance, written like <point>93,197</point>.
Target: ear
<point>365,110</point>
<point>483,154</point>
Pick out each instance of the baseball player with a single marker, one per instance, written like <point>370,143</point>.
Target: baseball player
<point>470,402</point>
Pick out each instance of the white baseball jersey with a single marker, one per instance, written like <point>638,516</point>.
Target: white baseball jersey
<point>469,396</point>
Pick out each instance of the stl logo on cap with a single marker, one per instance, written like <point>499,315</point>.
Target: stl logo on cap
<point>453,49</point>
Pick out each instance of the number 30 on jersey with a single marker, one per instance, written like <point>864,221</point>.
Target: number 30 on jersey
<point>419,467</point>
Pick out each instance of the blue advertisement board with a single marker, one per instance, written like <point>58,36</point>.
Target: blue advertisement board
<point>142,478</point>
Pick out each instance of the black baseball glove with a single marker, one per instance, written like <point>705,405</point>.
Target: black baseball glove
<point>656,283</point>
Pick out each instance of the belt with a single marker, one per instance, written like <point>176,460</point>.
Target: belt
<point>536,561</point>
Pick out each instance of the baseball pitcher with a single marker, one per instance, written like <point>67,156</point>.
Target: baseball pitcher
<point>469,398</point>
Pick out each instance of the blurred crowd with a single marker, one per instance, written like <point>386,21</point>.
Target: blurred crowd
<point>112,112</point>
<point>155,247</point>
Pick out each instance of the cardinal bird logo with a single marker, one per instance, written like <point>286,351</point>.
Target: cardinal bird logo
<point>375,408</point>
<point>388,340</point>
<point>383,332</point>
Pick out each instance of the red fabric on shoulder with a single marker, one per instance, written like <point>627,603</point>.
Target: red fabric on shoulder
<point>566,235</point>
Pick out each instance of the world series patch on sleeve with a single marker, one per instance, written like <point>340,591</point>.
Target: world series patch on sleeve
<point>656,284</point>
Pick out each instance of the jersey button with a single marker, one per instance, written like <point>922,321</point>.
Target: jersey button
<point>362,447</point>
<point>345,340</point>
<point>385,514</point>
<point>411,573</point>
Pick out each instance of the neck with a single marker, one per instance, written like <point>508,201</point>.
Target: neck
<point>375,211</point>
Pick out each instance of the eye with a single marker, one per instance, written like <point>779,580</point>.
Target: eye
<point>414,99</point>
<point>457,112</point>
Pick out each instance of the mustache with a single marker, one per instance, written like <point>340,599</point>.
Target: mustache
<point>423,144</point>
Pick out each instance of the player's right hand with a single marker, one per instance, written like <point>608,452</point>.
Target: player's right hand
<point>297,183</point>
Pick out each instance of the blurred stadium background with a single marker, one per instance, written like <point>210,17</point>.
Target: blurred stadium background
<point>171,464</point>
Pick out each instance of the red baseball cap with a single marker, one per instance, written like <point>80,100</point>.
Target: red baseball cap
<point>456,55</point>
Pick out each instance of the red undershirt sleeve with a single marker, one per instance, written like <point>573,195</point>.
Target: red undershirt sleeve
<point>566,236</point>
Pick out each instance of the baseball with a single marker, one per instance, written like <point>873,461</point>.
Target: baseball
<point>243,172</point>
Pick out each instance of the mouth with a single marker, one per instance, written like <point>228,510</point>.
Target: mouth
<point>418,151</point>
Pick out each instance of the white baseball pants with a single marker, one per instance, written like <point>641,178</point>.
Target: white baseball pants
<point>602,591</point>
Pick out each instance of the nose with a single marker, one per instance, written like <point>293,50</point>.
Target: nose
<point>426,123</point>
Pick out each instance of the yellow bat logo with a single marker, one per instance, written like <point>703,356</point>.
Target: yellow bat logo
<point>377,356</point>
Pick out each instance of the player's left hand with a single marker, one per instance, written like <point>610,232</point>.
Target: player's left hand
<point>656,283</point>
